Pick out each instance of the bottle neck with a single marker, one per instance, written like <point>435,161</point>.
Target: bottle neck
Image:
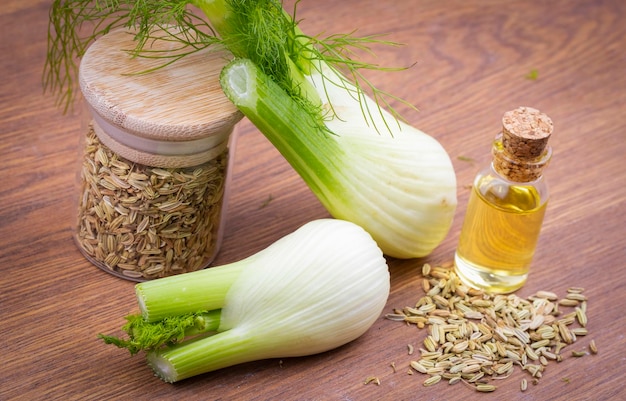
<point>518,169</point>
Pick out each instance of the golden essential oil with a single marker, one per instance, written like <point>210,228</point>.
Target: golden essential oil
<point>500,234</point>
<point>507,206</point>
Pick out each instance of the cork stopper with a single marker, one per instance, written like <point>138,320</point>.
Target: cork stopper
<point>521,151</point>
<point>154,114</point>
<point>525,132</point>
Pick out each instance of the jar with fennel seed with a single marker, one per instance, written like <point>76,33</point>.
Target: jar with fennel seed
<point>156,157</point>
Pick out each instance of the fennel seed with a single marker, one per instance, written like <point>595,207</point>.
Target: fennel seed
<point>568,302</point>
<point>581,316</point>
<point>418,367</point>
<point>432,380</point>
<point>485,388</point>
<point>592,347</point>
<point>547,294</point>
<point>477,338</point>
<point>372,379</point>
<point>143,223</point>
<point>576,296</point>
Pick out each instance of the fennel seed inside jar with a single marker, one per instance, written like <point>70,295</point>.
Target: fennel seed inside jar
<point>154,171</point>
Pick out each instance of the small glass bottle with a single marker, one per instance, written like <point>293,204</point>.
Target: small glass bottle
<point>155,165</point>
<point>507,206</point>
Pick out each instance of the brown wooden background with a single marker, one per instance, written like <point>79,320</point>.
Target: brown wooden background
<point>472,58</point>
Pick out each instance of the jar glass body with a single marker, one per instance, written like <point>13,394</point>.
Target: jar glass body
<point>140,220</point>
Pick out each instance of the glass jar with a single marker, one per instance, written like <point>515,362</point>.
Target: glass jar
<point>156,157</point>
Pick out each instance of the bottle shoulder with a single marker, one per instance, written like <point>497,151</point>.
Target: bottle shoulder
<point>506,194</point>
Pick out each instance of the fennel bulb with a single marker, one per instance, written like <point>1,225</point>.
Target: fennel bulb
<point>397,182</point>
<point>363,165</point>
<point>313,290</point>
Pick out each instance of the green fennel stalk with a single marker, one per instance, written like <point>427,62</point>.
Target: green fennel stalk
<point>316,159</point>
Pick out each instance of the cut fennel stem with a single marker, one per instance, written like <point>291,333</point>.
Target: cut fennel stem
<point>366,167</point>
<point>178,295</point>
<point>315,289</point>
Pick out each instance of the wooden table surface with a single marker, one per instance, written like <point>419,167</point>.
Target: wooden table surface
<point>473,60</point>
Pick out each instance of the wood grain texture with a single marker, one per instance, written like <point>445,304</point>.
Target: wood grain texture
<point>472,59</point>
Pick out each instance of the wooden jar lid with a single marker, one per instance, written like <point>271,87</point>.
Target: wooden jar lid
<point>172,116</point>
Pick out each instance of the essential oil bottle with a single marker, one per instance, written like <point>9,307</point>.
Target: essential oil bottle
<point>507,206</point>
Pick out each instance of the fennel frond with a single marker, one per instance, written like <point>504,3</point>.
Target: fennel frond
<point>259,30</point>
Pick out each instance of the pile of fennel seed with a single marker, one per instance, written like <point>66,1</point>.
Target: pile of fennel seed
<point>478,338</point>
